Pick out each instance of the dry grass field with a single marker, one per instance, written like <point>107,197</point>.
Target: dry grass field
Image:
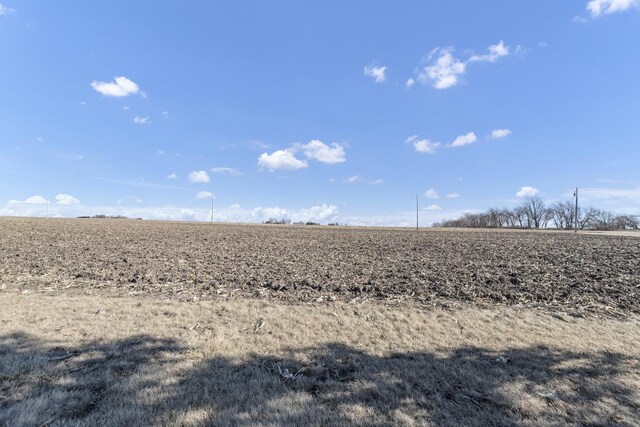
<point>151,323</point>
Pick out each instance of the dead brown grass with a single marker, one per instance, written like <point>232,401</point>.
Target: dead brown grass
<point>89,360</point>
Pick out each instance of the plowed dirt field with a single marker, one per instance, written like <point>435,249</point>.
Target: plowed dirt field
<point>576,273</point>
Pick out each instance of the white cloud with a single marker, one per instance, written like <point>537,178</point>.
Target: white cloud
<point>499,133</point>
<point>198,177</point>
<point>431,194</point>
<point>527,192</point>
<point>463,140</point>
<point>378,73</point>
<point>165,114</point>
<point>160,152</point>
<point>320,213</point>
<point>410,83</point>
<point>204,195</point>
<point>606,7</point>
<point>444,71</point>
<point>226,171</point>
<point>422,145</point>
<point>126,107</point>
<point>141,120</point>
<point>234,206</point>
<point>281,159</point>
<point>172,176</point>
<point>495,51</point>
<point>66,199</point>
<point>120,87</point>
<point>33,200</point>
<point>321,152</point>
<point>377,181</point>
<point>452,196</point>
<point>4,10</point>
<point>433,208</point>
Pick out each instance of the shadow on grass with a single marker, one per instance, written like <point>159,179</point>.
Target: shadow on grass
<point>145,380</point>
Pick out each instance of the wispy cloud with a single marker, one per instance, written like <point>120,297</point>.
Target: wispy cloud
<point>376,72</point>
<point>431,194</point>
<point>452,196</point>
<point>141,184</point>
<point>226,171</point>
<point>33,200</point>
<point>258,144</point>
<point>353,179</point>
<point>495,51</point>
<point>141,120</point>
<point>120,87</point>
<point>67,156</point>
<point>172,175</point>
<point>433,208</point>
<point>443,70</point>
<point>499,133</point>
<point>422,145</point>
<point>204,195</point>
<point>4,10</point>
<point>622,195</point>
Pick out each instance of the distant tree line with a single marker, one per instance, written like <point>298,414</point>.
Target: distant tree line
<point>105,217</point>
<point>286,221</point>
<point>533,212</point>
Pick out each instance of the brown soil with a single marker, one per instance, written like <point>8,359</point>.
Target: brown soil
<point>580,273</point>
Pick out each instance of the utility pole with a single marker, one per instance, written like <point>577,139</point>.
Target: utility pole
<point>576,212</point>
<point>211,208</point>
<point>417,212</point>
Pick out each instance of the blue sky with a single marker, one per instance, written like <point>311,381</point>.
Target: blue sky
<point>324,111</point>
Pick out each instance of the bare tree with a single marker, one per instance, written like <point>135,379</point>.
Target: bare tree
<point>509,218</point>
<point>586,218</point>
<point>563,214</point>
<point>520,217</point>
<point>604,220</point>
<point>626,222</point>
<point>535,211</point>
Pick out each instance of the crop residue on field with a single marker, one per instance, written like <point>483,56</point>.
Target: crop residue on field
<point>591,273</point>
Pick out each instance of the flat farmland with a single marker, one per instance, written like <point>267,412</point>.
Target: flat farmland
<point>113,322</point>
<point>187,261</point>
